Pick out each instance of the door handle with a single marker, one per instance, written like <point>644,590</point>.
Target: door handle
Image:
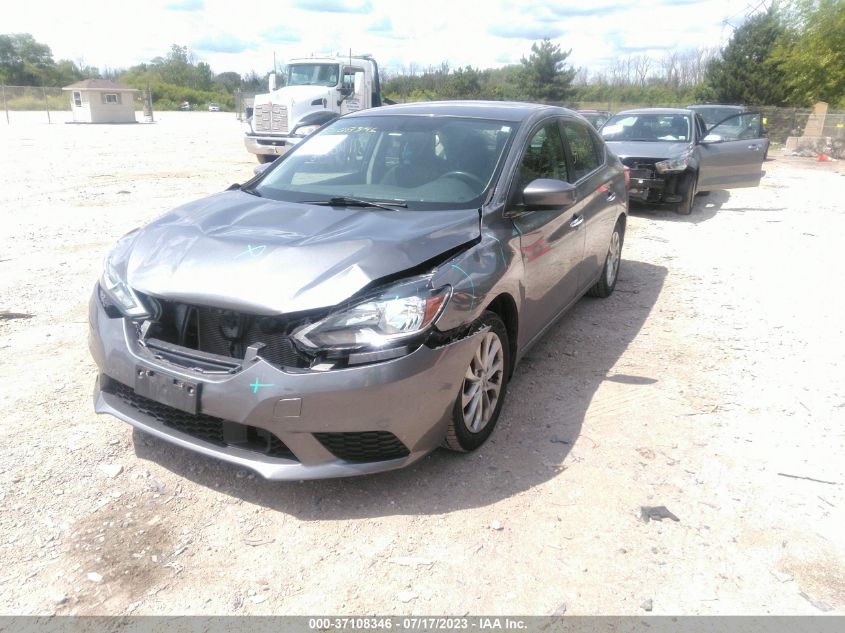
<point>756,148</point>
<point>577,220</point>
<point>611,195</point>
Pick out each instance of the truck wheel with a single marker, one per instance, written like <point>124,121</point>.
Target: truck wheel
<point>265,158</point>
<point>685,206</point>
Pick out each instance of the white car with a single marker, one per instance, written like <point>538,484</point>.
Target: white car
<point>214,107</point>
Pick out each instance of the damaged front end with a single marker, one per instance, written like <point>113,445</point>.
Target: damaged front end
<point>387,323</point>
<point>656,181</point>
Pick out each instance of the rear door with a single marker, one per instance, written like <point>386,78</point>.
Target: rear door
<point>731,155</point>
<point>598,197</point>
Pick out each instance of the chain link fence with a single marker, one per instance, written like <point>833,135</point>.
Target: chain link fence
<point>54,103</point>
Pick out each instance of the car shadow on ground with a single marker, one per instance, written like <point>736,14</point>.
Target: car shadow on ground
<point>706,206</point>
<point>541,421</point>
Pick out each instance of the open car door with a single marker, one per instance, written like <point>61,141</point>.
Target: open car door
<point>731,155</point>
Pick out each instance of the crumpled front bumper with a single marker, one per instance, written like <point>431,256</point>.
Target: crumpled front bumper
<point>410,397</point>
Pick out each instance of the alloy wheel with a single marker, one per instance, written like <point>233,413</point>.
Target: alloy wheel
<point>483,383</point>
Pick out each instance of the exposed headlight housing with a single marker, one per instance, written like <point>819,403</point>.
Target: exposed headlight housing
<point>392,318</point>
<point>679,163</point>
<point>114,286</point>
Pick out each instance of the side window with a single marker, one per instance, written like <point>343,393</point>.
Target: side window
<point>544,157</point>
<point>585,157</point>
<point>348,80</point>
<point>740,127</point>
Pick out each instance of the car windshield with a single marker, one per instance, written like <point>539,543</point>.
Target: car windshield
<point>647,127</point>
<point>424,162</point>
<point>312,74</point>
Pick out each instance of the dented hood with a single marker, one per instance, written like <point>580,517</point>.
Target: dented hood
<point>236,251</point>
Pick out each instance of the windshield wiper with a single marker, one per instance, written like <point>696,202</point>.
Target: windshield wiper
<point>342,201</point>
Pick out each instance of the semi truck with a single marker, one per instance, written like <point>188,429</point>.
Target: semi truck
<point>317,90</point>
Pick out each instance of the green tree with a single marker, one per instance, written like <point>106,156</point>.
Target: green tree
<point>463,83</point>
<point>747,72</point>
<point>545,75</point>
<point>811,52</point>
<point>24,61</point>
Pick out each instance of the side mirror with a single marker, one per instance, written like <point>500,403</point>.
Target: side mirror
<point>346,90</point>
<point>271,82</point>
<point>548,193</point>
<point>712,138</point>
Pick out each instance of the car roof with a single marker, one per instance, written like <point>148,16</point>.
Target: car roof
<point>716,105</point>
<point>657,111</point>
<point>496,110</point>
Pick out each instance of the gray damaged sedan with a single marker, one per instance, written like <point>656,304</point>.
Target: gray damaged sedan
<point>366,299</point>
<point>673,154</point>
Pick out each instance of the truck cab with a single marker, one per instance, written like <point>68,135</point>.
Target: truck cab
<point>317,90</point>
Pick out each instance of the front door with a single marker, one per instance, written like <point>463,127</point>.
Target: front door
<point>552,240</point>
<point>731,155</point>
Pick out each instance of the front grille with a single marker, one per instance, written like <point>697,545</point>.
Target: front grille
<point>363,446</point>
<point>227,333</point>
<point>270,118</point>
<point>203,427</point>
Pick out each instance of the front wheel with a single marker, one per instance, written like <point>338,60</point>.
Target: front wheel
<point>479,402</point>
<point>610,273</point>
<point>266,158</point>
<point>685,205</point>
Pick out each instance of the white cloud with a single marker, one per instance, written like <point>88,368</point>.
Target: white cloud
<point>460,32</point>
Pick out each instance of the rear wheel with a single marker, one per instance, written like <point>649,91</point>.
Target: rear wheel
<point>479,402</point>
<point>610,273</point>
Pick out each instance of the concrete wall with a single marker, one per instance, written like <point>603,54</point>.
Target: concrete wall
<point>93,110</point>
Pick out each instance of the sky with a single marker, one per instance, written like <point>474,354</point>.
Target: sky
<point>482,33</point>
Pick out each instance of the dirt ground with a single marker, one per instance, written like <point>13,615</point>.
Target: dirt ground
<point>711,383</point>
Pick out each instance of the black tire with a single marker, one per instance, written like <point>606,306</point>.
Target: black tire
<point>610,271</point>
<point>265,158</point>
<point>459,436</point>
<point>685,206</point>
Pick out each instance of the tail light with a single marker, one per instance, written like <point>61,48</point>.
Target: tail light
<point>627,171</point>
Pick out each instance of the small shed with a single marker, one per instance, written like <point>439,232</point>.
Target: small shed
<point>101,101</point>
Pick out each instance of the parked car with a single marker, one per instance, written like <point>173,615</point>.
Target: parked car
<point>184,105</point>
<point>672,155</point>
<point>214,107</point>
<point>366,298</point>
<point>596,118</point>
<point>716,113</point>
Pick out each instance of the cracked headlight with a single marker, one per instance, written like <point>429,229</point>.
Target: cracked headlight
<point>392,317</point>
<point>679,163</point>
<point>116,289</point>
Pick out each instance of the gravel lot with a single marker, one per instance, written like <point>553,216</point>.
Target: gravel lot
<point>714,371</point>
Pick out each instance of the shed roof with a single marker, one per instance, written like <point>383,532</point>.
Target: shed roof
<point>99,84</point>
